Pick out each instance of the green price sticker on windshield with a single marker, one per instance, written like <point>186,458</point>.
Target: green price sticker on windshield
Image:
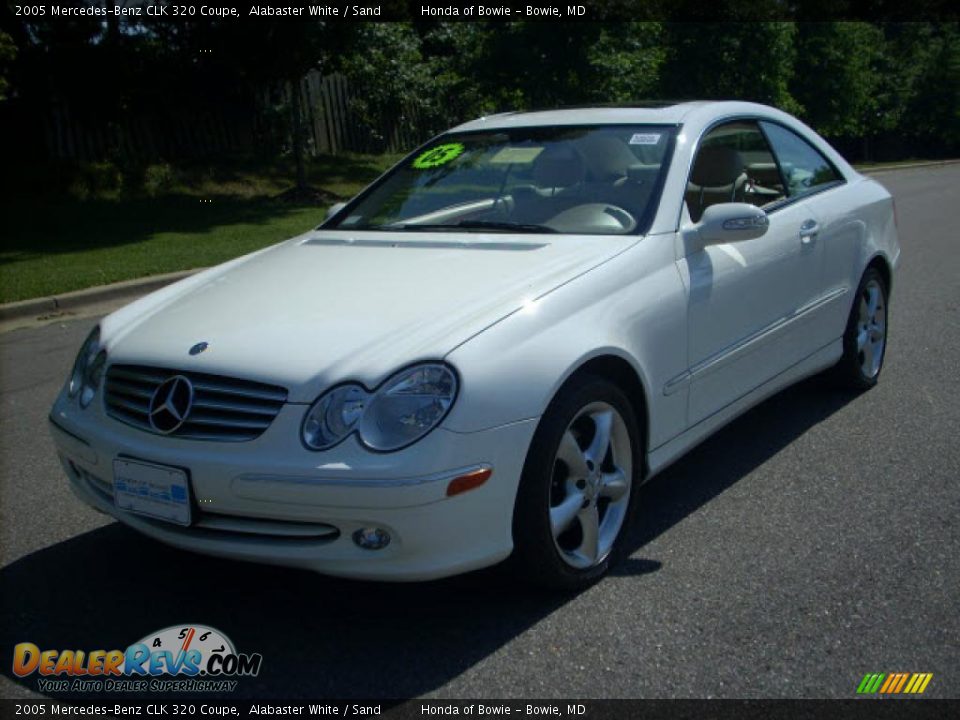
<point>440,155</point>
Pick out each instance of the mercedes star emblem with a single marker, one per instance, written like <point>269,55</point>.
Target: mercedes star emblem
<point>170,404</point>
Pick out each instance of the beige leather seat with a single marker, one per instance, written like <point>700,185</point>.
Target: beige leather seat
<point>718,176</point>
<point>556,171</point>
<point>614,175</point>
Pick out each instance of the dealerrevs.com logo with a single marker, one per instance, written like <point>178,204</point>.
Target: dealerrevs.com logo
<point>188,658</point>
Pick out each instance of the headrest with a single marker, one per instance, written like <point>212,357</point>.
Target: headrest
<point>716,166</point>
<point>607,157</point>
<point>558,167</point>
<point>642,173</point>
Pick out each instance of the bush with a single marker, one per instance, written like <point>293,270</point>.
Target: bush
<point>96,179</point>
<point>159,179</point>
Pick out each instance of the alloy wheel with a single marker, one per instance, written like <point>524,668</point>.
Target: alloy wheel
<point>871,329</point>
<point>591,484</point>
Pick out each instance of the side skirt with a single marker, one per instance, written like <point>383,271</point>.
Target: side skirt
<point>661,457</point>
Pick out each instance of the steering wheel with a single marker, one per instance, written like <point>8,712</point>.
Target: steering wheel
<point>593,219</point>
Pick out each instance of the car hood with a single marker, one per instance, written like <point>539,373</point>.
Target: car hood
<point>331,306</point>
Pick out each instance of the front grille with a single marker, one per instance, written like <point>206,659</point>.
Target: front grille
<point>224,409</point>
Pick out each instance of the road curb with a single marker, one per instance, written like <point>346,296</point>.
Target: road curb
<point>71,301</point>
<point>909,166</point>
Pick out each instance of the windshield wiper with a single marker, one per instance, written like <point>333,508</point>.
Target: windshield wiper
<point>504,225</point>
<point>474,225</point>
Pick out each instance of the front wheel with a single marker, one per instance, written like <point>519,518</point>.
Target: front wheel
<point>865,339</point>
<point>578,486</point>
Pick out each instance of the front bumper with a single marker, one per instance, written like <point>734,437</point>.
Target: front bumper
<point>270,500</point>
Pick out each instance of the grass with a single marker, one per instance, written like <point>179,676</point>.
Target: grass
<point>96,233</point>
<point>92,229</point>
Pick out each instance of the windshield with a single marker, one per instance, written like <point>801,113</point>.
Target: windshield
<point>575,180</point>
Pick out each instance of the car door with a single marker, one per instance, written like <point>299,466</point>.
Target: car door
<point>744,296</point>
<point>809,175</point>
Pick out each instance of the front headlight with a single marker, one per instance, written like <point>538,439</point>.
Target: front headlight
<point>92,378</point>
<point>333,416</point>
<point>401,411</point>
<point>87,370</point>
<point>88,352</point>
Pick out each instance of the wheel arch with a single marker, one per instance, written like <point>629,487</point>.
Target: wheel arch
<point>883,266</point>
<point>625,375</point>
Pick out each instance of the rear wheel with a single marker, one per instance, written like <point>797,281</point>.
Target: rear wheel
<point>578,487</point>
<point>865,339</point>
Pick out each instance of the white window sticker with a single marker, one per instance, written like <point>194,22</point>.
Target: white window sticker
<point>645,139</point>
<point>516,155</point>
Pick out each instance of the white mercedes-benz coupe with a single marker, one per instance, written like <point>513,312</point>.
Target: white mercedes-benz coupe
<point>485,353</point>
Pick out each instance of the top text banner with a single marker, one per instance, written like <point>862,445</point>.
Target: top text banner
<point>146,11</point>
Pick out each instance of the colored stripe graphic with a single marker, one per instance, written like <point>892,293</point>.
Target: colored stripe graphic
<point>903,679</point>
<point>870,683</point>
<point>894,683</point>
<point>891,682</point>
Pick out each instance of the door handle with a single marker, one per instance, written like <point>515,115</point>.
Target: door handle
<point>808,232</point>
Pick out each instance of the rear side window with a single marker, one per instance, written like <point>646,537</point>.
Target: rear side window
<point>804,168</point>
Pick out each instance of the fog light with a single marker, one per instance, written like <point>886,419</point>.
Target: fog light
<point>372,538</point>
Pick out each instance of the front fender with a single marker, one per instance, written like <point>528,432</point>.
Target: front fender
<point>632,307</point>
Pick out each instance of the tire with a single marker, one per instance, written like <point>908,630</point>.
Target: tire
<point>577,492</point>
<point>865,337</point>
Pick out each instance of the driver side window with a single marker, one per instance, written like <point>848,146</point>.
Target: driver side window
<point>733,164</point>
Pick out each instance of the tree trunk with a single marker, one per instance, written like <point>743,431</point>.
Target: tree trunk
<point>296,126</point>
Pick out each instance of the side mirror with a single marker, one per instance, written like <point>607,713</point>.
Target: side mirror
<point>730,222</point>
<point>334,209</point>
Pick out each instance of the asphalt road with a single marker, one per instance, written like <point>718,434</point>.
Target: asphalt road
<point>810,542</point>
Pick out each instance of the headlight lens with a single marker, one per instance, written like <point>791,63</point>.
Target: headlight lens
<point>408,406</point>
<point>334,416</point>
<point>92,378</point>
<point>400,412</point>
<point>88,352</point>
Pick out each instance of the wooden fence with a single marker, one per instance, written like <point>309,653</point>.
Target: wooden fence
<point>330,125</point>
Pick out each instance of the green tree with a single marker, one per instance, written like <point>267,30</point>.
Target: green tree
<point>731,61</point>
<point>479,68</point>
<point>932,115</point>
<point>389,79</point>
<point>837,80</point>
<point>8,51</point>
<point>625,62</point>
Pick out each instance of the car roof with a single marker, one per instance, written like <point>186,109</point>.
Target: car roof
<point>641,114</point>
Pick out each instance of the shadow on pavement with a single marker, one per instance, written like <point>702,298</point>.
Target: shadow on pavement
<point>322,637</point>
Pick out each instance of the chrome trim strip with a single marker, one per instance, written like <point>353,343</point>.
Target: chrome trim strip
<point>751,342</point>
<point>690,430</point>
<point>364,483</point>
<point>677,383</point>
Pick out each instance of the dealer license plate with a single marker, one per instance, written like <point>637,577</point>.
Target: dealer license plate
<point>157,491</point>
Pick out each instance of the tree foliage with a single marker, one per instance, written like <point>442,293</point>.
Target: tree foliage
<point>743,61</point>
<point>896,83</point>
